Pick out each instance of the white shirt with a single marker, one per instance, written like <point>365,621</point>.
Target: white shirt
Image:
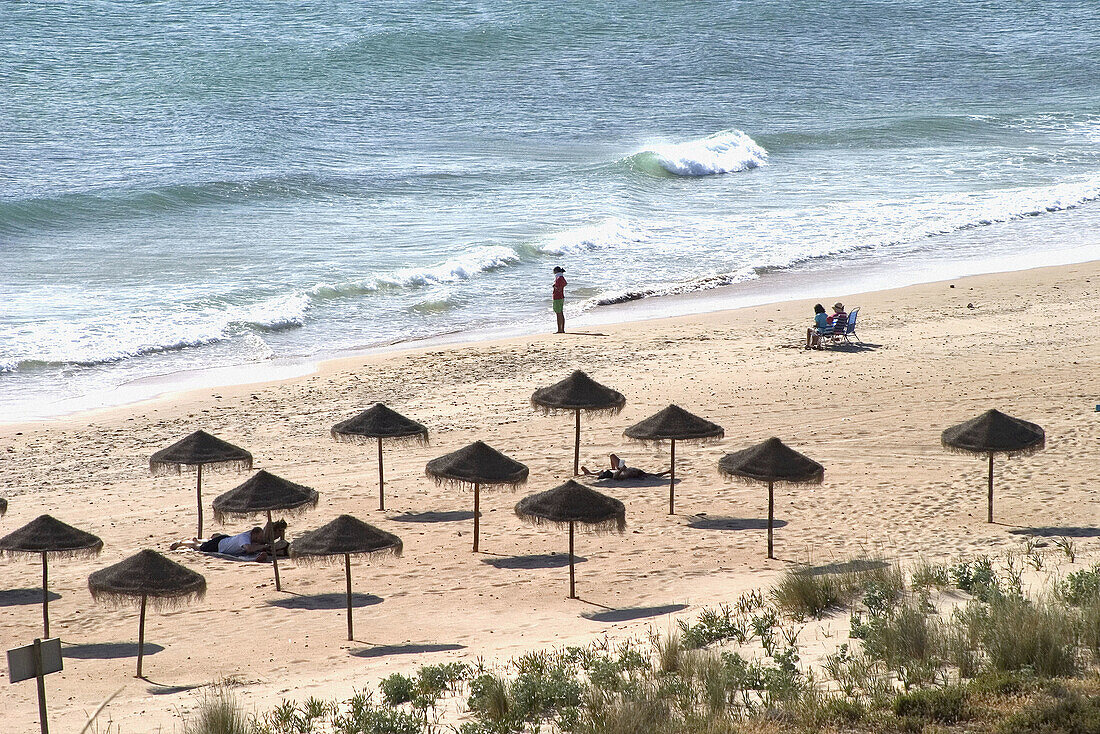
<point>234,545</point>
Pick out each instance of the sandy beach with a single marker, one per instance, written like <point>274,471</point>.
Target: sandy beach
<point>934,355</point>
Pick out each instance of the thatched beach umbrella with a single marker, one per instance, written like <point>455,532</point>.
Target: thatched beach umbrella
<point>262,493</point>
<point>198,450</point>
<point>572,503</point>
<point>150,577</point>
<point>993,432</point>
<point>674,424</point>
<point>48,536</point>
<point>577,393</point>
<point>380,422</point>
<point>481,465</point>
<point>345,536</point>
<point>771,462</point>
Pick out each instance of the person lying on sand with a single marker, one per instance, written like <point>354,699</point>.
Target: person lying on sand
<point>260,541</point>
<point>619,470</point>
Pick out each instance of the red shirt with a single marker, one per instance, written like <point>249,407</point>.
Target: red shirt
<point>559,287</point>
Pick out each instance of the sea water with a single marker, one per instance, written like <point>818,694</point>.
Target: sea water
<point>188,185</point>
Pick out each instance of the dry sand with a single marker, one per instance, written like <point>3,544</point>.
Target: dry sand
<point>871,416</point>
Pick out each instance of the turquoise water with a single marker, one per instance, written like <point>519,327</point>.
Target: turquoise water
<point>193,184</point>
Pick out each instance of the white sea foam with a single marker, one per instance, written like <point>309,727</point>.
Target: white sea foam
<point>462,267</point>
<point>605,234</point>
<point>730,151</point>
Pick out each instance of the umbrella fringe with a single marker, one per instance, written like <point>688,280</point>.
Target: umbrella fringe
<point>89,552</point>
<point>172,601</point>
<point>697,440</point>
<point>222,515</point>
<point>604,527</point>
<point>337,559</point>
<point>420,439</point>
<point>1027,451</point>
<point>816,479</point>
<point>162,468</point>
<point>604,412</point>
<point>460,483</point>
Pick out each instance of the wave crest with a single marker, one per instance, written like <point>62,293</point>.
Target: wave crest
<point>730,151</point>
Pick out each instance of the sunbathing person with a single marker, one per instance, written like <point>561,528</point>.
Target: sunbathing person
<point>243,544</point>
<point>619,471</point>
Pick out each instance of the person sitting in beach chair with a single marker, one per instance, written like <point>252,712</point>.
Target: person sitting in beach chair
<point>261,542</point>
<point>820,328</point>
<point>619,471</point>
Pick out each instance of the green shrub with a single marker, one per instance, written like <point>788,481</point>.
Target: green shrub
<point>930,576</point>
<point>489,697</point>
<point>1070,714</point>
<point>712,626</point>
<point>396,689</point>
<point>1082,586</point>
<point>217,713</point>
<point>946,705</point>
<point>977,578</point>
<point>1019,634</point>
<point>801,594</point>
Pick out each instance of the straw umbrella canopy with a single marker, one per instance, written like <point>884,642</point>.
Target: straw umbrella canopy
<point>569,504</point>
<point>148,577</point>
<point>345,536</point>
<point>263,493</point>
<point>198,450</point>
<point>380,422</point>
<point>990,433</point>
<point>577,393</point>
<point>772,461</point>
<point>48,536</point>
<point>674,424</point>
<point>481,465</point>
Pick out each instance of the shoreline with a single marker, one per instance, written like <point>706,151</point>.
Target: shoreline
<point>872,416</point>
<point>845,277</point>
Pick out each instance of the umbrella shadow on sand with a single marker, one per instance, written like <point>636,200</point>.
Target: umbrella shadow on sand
<point>107,650</point>
<point>719,522</point>
<point>627,614</point>
<point>1056,532</point>
<point>378,651</point>
<point>448,516</point>
<point>535,560</point>
<point>335,600</point>
<point>21,597</point>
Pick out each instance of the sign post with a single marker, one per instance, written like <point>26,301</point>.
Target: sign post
<point>36,661</point>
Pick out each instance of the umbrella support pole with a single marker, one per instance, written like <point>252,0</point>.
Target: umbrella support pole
<point>381,479</point>
<point>141,635</point>
<point>572,578</point>
<point>477,513</point>
<point>771,515</point>
<point>577,448</point>
<point>672,478</point>
<point>989,518</point>
<point>45,601</point>
<point>347,575</point>
<point>198,496</point>
<point>274,553</point>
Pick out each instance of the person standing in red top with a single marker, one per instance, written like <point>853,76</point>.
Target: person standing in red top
<point>559,297</point>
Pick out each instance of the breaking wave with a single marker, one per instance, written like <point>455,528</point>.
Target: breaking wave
<point>730,151</point>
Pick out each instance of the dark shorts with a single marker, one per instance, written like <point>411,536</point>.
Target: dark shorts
<point>211,546</point>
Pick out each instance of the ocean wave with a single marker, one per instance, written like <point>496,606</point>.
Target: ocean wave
<point>730,151</point>
<point>462,267</point>
<point>606,234</point>
<point>878,224</point>
<point>102,342</point>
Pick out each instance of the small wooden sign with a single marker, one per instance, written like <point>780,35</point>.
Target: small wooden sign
<point>21,663</point>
